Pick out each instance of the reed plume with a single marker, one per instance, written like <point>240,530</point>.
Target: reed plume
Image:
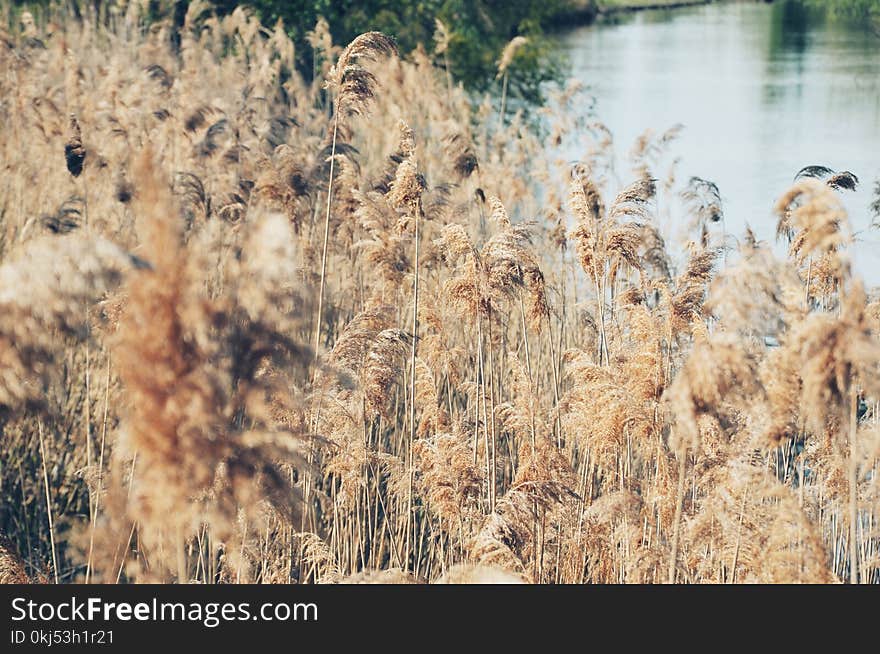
<point>12,570</point>
<point>353,86</point>
<point>203,374</point>
<point>44,287</point>
<point>507,55</point>
<point>74,153</point>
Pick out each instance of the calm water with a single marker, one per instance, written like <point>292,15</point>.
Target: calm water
<point>762,91</point>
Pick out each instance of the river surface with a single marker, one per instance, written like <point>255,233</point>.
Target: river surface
<point>761,89</point>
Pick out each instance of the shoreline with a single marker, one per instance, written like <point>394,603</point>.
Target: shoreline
<point>585,12</point>
<point>643,5</point>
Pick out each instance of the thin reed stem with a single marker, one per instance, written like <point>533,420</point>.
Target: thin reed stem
<point>49,512</point>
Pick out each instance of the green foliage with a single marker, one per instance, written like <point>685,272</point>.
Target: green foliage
<point>479,30</point>
<point>852,8</point>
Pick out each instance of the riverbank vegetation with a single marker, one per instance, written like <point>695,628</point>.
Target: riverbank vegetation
<point>854,8</point>
<point>353,326</point>
<point>469,34</point>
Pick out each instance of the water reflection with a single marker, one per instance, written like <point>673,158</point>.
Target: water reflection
<point>789,27</point>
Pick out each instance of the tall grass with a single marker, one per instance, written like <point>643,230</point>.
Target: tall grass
<point>259,329</point>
